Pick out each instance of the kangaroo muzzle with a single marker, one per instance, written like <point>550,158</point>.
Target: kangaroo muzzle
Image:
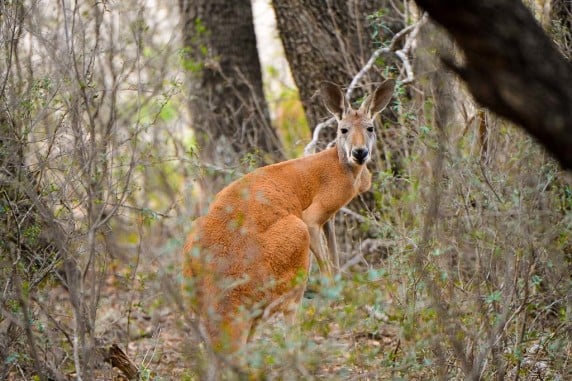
<point>360,155</point>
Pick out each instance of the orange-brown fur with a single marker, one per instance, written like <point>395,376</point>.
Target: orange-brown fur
<point>249,256</point>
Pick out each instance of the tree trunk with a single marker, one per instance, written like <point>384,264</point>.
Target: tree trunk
<point>228,109</point>
<point>512,67</point>
<point>332,41</point>
<point>326,40</point>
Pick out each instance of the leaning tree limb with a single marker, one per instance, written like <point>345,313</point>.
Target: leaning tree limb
<point>512,67</point>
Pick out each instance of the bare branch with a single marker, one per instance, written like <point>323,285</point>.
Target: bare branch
<point>404,52</point>
<point>412,30</point>
<point>310,147</point>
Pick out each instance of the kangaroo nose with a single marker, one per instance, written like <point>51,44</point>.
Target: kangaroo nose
<point>360,154</point>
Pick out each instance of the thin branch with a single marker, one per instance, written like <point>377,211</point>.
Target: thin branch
<point>412,30</point>
<point>404,52</point>
<point>355,215</point>
<point>311,146</point>
<point>352,261</point>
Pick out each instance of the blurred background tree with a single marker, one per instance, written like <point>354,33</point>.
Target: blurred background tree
<point>229,112</point>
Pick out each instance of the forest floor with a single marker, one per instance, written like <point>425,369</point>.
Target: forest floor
<point>138,314</point>
<point>359,329</point>
<point>156,337</point>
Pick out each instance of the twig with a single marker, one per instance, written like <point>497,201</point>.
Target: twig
<point>270,308</point>
<point>394,355</point>
<point>487,181</point>
<point>310,147</point>
<point>353,261</point>
<point>403,52</point>
<point>355,215</point>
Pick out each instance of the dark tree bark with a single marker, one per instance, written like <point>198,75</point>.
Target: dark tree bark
<point>325,40</point>
<point>512,67</point>
<point>229,112</point>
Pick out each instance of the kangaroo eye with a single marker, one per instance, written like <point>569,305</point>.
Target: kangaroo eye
<point>344,130</point>
<point>370,128</point>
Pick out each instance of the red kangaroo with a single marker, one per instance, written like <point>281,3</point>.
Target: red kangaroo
<point>249,257</point>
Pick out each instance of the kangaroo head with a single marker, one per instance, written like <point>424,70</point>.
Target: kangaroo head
<point>356,133</point>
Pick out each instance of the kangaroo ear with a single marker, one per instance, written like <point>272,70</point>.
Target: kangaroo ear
<point>380,98</point>
<point>333,98</point>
